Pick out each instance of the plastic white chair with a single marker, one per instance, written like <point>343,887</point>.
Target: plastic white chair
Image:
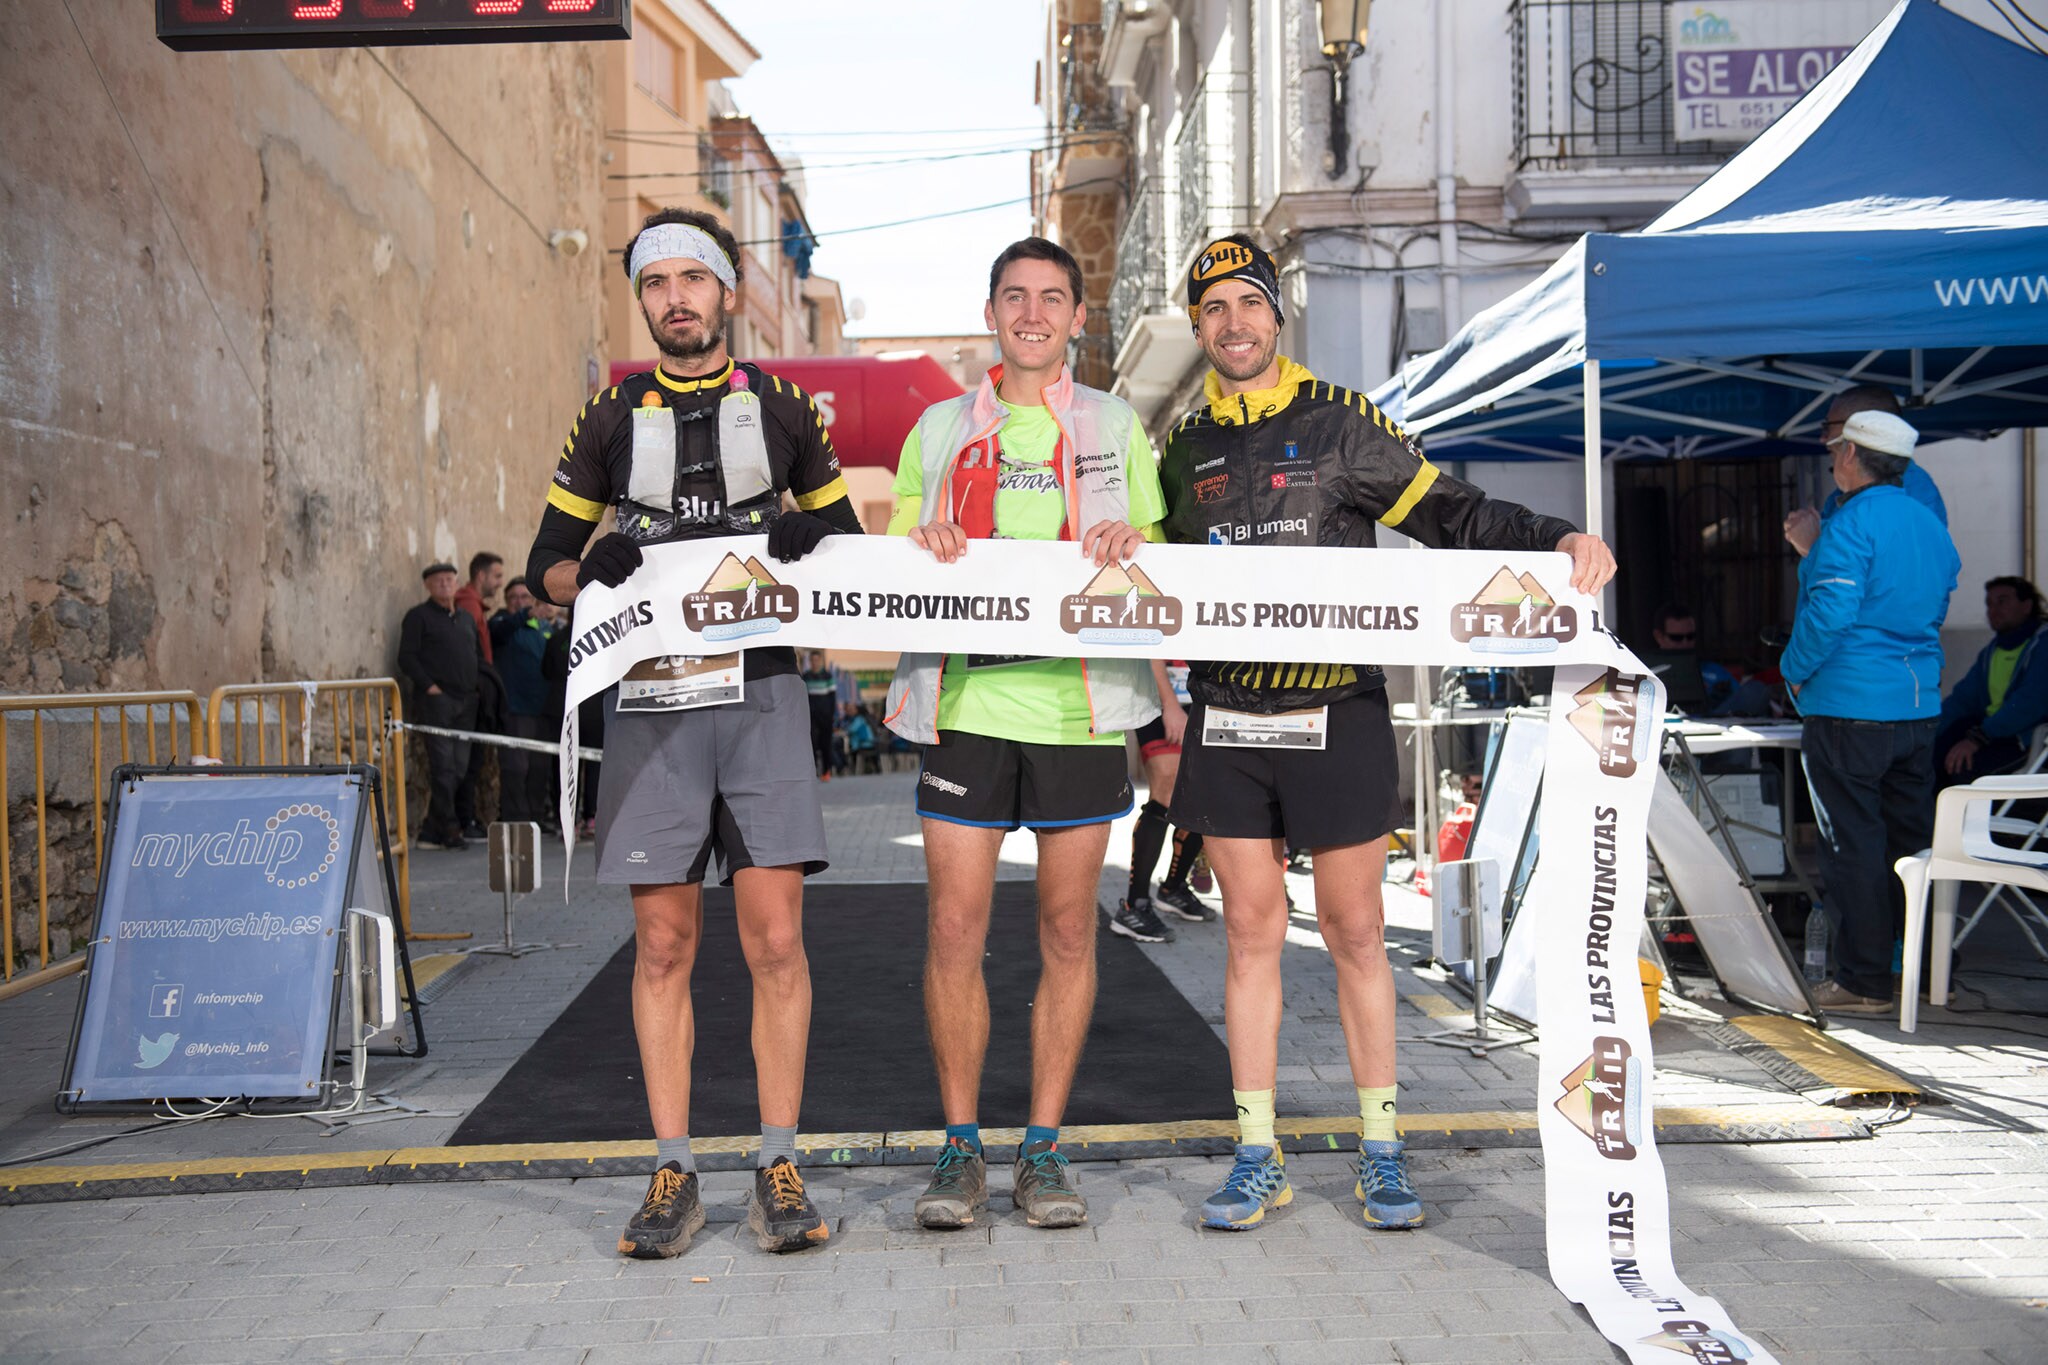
<point>2023,909</point>
<point>1963,851</point>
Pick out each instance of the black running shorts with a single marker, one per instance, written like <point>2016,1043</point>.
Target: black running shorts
<point>1347,792</point>
<point>1002,784</point>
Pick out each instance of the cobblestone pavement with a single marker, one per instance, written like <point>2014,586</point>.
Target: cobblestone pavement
<point>1922,1242</point>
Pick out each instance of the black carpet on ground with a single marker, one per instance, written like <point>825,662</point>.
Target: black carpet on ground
<point>1150,1057</point>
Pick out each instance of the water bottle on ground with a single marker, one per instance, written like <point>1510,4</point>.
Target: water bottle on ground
<point>1816,953</point>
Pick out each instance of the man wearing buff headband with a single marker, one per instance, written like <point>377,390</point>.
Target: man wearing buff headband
<point>702,446</point>
<point>1278,457</point>
<point>1012,741</point>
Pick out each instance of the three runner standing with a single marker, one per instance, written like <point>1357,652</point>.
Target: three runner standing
<point>703,447</point>
<point>1019,742</point>
<point>1279,457</point>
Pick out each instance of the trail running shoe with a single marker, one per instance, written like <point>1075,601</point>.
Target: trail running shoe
<point>1181,901</point>
<point>1135,919</point>
<point>958,1191</point>
<point>1044,1190</point>
<point>1200,877</point>
<point>1257,1182</point>
<point>1390,1201</point>
<point>780,1213</point>
<point>671,1214</point>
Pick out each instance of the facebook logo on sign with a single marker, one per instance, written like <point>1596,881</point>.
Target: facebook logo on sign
<point>165,1001</point>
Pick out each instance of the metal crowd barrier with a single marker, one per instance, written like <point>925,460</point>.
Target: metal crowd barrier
<point>132,747</point>
<point>287,727</point>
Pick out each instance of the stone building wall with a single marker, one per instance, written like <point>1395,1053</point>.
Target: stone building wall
<point>281,327</point>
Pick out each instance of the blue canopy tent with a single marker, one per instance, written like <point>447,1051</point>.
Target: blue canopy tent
<point>1892,227</point>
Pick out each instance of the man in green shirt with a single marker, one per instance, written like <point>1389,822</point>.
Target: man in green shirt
<point>1015,742</point>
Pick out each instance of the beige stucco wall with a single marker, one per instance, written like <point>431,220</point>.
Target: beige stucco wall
<point>273,339</point>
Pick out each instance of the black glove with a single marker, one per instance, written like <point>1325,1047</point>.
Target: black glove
<point>610,562</point>
<point>796,534</point>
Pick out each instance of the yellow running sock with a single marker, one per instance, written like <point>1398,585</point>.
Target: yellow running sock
<point>1254,1117</point>
<point>1376,1113</point>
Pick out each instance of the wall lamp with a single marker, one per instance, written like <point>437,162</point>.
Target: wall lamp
<point>1343,31</point>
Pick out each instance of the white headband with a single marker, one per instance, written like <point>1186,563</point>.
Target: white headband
<point>679,241</point>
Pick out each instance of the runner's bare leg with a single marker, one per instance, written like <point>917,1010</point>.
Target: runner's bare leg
<point>1069,877</point>
<point>1351,912</point>
<point>668,924</point>
<point>960,863</point>
<point>1250,872</point>
<point>770,904</point>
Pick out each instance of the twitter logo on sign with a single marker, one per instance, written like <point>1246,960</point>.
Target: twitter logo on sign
<point>155,1051</point>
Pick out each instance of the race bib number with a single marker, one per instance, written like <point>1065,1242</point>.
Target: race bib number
<point>682,682</point>
<point>1223,729</point>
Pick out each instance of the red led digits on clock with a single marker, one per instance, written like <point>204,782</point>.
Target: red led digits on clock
<point>497,6</point>
<point>387,9</point>
<point>571,6</point>
<point>330,10</point>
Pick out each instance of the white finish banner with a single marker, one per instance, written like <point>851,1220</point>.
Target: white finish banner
<point>1608,1219</point>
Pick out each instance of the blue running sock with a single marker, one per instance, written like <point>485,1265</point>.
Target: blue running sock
<point>676,1149</point>
<point>968,1133</point>
<point>1037,1133</point>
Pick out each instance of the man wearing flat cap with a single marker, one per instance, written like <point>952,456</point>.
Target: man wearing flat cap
<point>1864,667</point>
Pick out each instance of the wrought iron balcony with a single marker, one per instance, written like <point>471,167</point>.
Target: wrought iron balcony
<point>1141,284</point>
<point>1593,86</point>
<point>1085,103</point>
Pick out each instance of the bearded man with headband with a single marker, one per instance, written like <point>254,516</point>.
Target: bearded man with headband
<point>1279,457</point>
<point>701,447</point>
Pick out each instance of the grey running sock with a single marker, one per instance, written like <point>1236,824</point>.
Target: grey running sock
<point>676,1149</point>
<point>776,1142</point>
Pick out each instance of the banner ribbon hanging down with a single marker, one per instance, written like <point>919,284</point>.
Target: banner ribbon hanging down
<point>1608,1207</point>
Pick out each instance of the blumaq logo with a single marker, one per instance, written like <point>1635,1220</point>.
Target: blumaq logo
<point>1120,606</point>
<point>1605,717</point>
<point>1705,1344</point>
<point>739,600</point>
<point>1603,1097</point>
<point>1513,615</point>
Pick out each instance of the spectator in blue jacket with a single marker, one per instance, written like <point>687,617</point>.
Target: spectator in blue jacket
<point>1988,720</point>
<point>1803,526</point>
<point>1864,667</point>
<point>519,638</point>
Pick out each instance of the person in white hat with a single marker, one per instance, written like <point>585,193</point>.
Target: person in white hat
<point>1864,667</point>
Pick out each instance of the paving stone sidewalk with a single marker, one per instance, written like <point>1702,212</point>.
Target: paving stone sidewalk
<point>1922,1242</point>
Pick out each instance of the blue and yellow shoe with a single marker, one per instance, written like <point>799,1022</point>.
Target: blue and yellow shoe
<point>1257,1182</point>
<point>1390,1201</point>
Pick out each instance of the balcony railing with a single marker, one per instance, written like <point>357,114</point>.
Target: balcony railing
<point>1141,285</point>
<point>1085,103</point>
<point>1191,217</point>
<point>1592,86</point>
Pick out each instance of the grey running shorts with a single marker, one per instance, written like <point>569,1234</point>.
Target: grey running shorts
<point>737,780</point>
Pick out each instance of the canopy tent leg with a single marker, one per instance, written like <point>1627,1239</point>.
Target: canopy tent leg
<point>1595,521</point>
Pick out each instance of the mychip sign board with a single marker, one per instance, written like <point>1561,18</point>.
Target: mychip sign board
<point>213,961</point>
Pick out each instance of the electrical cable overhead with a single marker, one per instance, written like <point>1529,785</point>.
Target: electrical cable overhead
<point>2019,32</point>
<point>811,169</point>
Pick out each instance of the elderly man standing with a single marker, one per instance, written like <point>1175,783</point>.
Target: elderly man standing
<point>1864,666</point>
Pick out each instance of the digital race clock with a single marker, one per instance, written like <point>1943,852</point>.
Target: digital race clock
<point>224,25</point>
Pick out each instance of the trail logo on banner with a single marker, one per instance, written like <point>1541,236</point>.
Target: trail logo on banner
<point>1120,606</point>
<point>1705,1344</point>
<point>1605,717</point>
<point>1603,1097</point>
<point>740,599</point>
<point>1513,614</point>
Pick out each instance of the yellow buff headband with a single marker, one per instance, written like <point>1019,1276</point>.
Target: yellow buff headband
<point>1225,259</point>
<point>678,241</point>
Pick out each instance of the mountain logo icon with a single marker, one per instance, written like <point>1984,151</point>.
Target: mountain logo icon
<point>1513,614</point>
<point>154,1052</point>
<point>1121,605</point>
<point>739,599</point>
<point>1704,1343</point>
<point>1604,713</point>
<point>1603,1098</point>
